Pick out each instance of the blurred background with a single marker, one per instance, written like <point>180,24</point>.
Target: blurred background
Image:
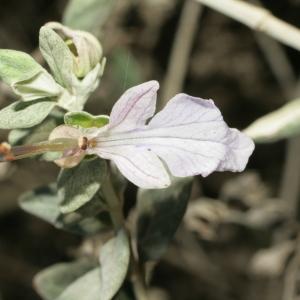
<point>240,236</point>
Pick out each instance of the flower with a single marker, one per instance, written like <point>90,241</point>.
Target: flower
<point>188,137</point>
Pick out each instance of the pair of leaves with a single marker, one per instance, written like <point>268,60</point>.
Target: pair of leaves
<point>159,214</point>
<point>84,279</point>
<point>61,62</point>
<point>31,81</point>
<point>38,88</point>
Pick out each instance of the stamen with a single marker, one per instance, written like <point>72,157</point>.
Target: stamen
<point>83,143</point>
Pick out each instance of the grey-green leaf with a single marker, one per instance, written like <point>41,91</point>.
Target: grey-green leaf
<point>114,261</point>
<point>51,282</point>
<point>42,202</point>
<point>38,86</point>
<point>88,15</point>
<point>45,203</point>
<point>85,120</point>
<point>27,78</point>
<point>87,287</point>
<point>25,114</point>
<point>38,133</point>
<point>17,66</point>
<point>277,125</point>
<point>58,56</point>
<point>78,185</point>
<point>159,214</point>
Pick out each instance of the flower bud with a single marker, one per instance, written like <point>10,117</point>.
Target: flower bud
<point>85,48</point>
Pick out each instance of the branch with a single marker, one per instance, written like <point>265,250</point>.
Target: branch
<point>257,18</point>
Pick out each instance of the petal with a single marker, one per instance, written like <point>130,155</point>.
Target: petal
<point>240,147</point>
<point>140,166</point>
<point>189,135</point>
<point>135,107</point>
<point>210,145</point>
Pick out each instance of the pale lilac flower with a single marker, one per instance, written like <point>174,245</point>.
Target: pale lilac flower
<point>188,137</point>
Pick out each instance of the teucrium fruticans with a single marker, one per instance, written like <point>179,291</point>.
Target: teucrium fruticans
<point>98,153</point>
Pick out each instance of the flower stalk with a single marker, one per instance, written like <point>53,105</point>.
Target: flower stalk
<point>115,206</point>
<point>8,153</point>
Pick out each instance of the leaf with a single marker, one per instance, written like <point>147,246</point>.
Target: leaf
<point>87,287</point>
<point>27,78</point>
<point>51,282</point>
<point>75,99</point>
<point>42,202</point>
<point>159,214</point>
<point>58,56</point>
<point>17,66</point>
<point>38,86</point>
<point>25,114</point>
<point>45,203</point>
<point>280,124</point>
<point>78,185</point>
<point>114,262</point>
<point>88,15</point>
<point>85,120</point>
<point>38,133</point>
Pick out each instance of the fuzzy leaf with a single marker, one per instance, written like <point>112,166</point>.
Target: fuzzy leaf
<point>17,66</point>
<point>277,125</point>
<point>78,185</point>
<point>39,86</point>
<point>51,282</point>
<point>87,287</point>
<point>159,214</point>
<point>38,133</point>
<point>45,203</point>
<point>42,202</point>
<point>85,120</point>
<point>25,114</point>
<point>88,15</point>
<point>114,261</point>
<point>28,79</point>
<point>81,89</point>
<point>58,56</point>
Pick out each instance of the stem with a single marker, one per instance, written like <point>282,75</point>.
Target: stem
<point>116,212</point>
<point>138,282</point>
<point>257,18</point>
<point>113,202</point>
<point>8,153</point>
